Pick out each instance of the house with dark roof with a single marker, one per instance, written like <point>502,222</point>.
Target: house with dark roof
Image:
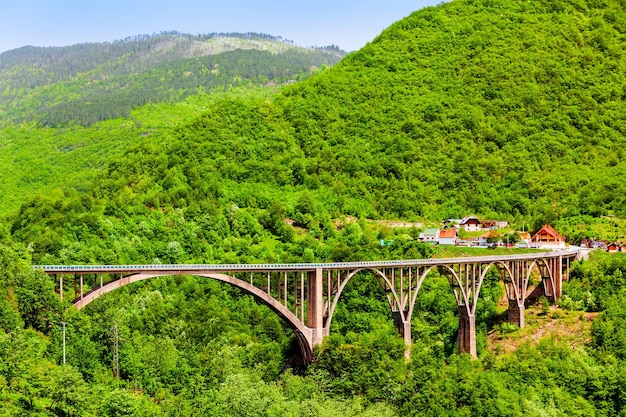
<point>488,224</point>
<point>471,224</point>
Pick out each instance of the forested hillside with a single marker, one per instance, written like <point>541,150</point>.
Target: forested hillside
<point>511,110</point>
<point>502,108</point>
<point>506,109</point>
<point>66,112</point>
<point>87,83</point>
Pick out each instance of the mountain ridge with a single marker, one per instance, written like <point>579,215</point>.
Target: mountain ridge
<point>88,82</point>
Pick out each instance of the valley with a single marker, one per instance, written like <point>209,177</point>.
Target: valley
<point>248,150</point>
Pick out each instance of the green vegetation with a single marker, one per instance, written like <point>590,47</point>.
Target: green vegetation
<point>188,346</point>
<point>576,228</point>
<point>507,108</point>
<point>61,108</point>
<point>455,109</point>
<point>503,109</point>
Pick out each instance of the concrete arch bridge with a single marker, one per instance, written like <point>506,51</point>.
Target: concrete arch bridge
<point>305,295</point>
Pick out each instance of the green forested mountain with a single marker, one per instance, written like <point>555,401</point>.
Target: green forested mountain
<point>66,112</point>
<point>91,82</point>
<point>502,108</point>
<point>509,110</point>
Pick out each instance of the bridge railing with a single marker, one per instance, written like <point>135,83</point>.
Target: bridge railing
<point>301,266</point>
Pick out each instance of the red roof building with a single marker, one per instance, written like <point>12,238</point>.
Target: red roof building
<point>548,238</point>
<point>447,237</point>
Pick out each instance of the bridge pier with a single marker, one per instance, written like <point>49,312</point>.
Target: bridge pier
<point>404,328</point>
<point>315,306</point>
<point>551,276</point>
<point>516,313</point>
<point>558,290</point>
<point>467,332</point>
<point>516,276</point>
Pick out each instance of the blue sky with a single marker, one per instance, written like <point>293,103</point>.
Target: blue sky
<point>349,24</point>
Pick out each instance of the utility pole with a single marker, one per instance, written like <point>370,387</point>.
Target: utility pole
<point>116,354</point>
<point>63,323</point>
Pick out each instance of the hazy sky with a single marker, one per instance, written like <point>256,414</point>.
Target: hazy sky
<point>350,24</point>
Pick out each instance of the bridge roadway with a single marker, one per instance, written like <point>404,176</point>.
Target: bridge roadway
<point>305,295</point>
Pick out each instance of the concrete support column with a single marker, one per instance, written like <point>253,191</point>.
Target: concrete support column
<point>516,313</point>
<point>404,328</point>
<point>467,332</point>
<point>558,278</point>
<point>548,289</point>
<point>315,305</point>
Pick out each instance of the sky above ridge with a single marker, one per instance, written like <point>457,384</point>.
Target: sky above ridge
<point>349,24</point>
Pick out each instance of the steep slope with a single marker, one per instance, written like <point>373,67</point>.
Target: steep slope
<point>501,108</point>
<point>507,110</point>
<point>67,112</point>
<point>504,109</point>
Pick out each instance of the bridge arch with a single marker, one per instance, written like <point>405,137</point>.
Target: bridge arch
<point>302,333</point>
<point>401,300</point>
<point>548,275</point>
<point>384,280</point>
<point>378,274</point>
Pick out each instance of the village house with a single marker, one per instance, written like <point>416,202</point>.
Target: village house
<point>477,241</point>
<point>524,240</point>
<point>471,224</point>
<point>488,224</point>
<point>448,237</point>
<point>525,237</point>
<point>430,235</point>
<point>548,238</point>
<point>593,243</point>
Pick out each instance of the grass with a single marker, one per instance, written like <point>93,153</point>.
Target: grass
<point>571,327</point>
<point>449,251</point>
